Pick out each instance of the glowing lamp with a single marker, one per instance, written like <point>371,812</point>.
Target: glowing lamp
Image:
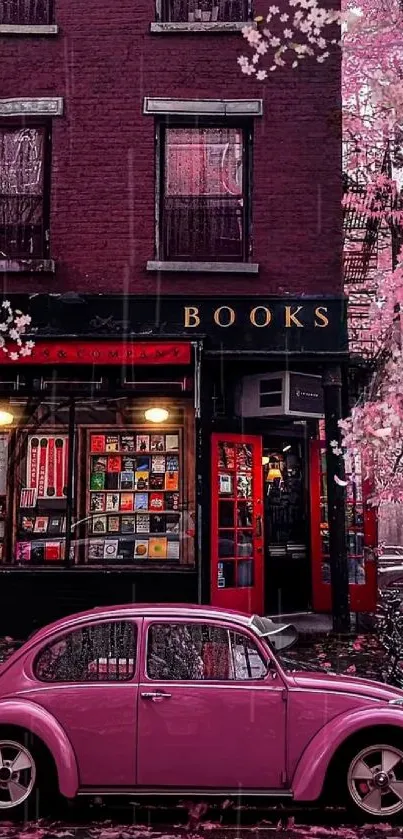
<point>6,418</point>
<point>156,415</point>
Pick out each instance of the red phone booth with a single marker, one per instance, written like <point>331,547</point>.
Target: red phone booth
<point>237,562</point>
<point>361,527</point>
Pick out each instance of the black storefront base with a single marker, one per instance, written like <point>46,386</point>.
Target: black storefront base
<point>31,598</point>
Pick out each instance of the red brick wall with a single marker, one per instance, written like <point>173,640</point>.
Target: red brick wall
<point>102,220</point>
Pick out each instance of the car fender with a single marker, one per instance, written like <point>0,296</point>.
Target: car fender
<point>309,776</point>
<point>38,721</point>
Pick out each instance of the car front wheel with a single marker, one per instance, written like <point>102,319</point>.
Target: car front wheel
<point>375,780</point>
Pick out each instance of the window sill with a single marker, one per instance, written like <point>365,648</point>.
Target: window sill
<point>31,266</point>
<point>198,26</point>
<point>22,29</point>
<point>204,267</point>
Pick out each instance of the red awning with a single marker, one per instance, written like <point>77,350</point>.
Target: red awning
<point>105,352</point>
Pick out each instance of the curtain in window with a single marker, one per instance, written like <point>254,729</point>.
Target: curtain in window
<point>203,193</point>
<point>25,12</point>
<point>21,191</point>
<point>193,11</point>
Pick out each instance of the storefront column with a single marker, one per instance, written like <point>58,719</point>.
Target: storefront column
<point>332,386</point>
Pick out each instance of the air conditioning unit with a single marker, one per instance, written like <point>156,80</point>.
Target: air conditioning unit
<point>281,394</point>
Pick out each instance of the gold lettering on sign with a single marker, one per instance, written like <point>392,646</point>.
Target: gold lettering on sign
<point>217,316</point>
<point>192,318</point>
<point>291,317</point>
<point>320,313</point>
<point>254,312</point>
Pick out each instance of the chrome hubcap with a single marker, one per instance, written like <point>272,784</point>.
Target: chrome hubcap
<point>17,774</point>
<point>375,780</point>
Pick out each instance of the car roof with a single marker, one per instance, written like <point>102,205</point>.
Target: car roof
<point>143,610</point>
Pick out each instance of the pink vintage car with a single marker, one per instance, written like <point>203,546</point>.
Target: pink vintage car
<point>189,700</point>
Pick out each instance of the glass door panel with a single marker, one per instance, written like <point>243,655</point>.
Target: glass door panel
<point>237,509</point>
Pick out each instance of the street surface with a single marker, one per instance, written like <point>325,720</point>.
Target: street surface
<point>286,829</point>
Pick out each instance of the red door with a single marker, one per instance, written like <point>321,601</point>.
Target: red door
<point>361,537</point>
<point>237,523</point>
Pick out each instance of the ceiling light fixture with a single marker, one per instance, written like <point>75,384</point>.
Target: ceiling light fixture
<point>156,415</point>
<point>6,418</point>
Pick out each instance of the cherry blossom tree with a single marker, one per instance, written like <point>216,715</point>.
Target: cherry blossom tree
<point>369,36</point>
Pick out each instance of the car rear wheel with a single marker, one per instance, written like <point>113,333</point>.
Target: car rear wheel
<point>18,774</point>
<point>375,780</point>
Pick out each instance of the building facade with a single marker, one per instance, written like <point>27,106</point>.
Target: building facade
<point>174,230</point>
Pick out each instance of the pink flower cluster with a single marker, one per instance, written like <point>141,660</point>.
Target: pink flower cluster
<point>13,327</point>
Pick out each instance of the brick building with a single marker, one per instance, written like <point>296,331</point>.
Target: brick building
<point>174,229</point>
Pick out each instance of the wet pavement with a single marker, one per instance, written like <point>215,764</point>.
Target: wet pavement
<point>286,828</point>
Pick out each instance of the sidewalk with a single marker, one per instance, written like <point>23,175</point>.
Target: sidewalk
<point>360,655</point>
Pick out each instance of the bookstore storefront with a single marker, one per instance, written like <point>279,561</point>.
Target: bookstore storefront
<point>150,451</point>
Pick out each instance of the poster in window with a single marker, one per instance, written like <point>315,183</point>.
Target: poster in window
<point>142,523</point>
<point>127,480</point>
<point>112,443</point>
<point>97,442</point>
<point>172,442</point>
<point>173,550</point>
<point>53,552</point>
<point>23,551</point>
<point>157,548</point>
<point>41,524</point>
<point>127,443</point>
<point>141,548</point>
<point>142,463</point>
<point>171,481</point>
<point>97,502</point>
<point>128,524</point>
<point>111,548</point>
<point>99,524</point>
<point>157,481</point>
<point>158,464</point>
<point>113,524</point>
<point>96,549</point>
<point>141,500</point>
<point>112,502</point>
<point>47,457</point>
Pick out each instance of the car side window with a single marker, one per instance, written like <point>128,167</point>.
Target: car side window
<point>104,652</point>
<point>247,661</point>
<point>195,652</point>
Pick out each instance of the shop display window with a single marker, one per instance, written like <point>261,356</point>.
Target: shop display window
<point>92,482</point>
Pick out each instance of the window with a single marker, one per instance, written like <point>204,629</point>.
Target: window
<point>105,652</point>
<point>204,195</point>
<point>26,12</point>
<point>128,500</point>
<point>22,217</point>
<point>205,11</point>
<point>198,651</point>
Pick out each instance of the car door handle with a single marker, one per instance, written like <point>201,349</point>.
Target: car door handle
<point>155,695</point>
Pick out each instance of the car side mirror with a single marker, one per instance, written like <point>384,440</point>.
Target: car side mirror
<point>271,669</point>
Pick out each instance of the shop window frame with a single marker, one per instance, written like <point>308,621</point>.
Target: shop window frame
<point>213,263</point>
<point>76,552</point>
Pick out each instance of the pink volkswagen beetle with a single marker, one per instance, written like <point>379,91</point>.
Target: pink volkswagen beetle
<point>187,700</point>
